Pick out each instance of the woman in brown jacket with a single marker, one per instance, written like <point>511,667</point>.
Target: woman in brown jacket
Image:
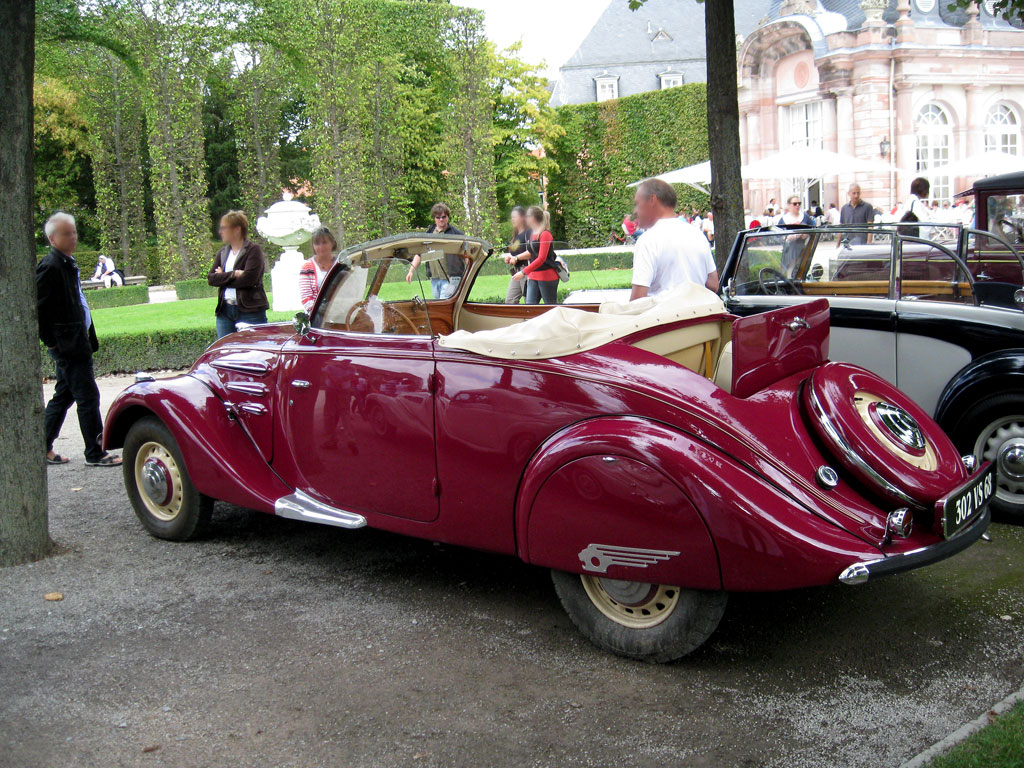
<point>238,273</point>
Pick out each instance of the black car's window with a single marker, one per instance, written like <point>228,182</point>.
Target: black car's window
<point>929,272</point>
<point>374,298</point>
<point>815,262</point>
<point>1006,216</point>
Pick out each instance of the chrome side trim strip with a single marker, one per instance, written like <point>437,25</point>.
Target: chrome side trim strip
<point>253,388</point>
<point>299,506</point>
<point>843,445</point>
<point>251,367</point>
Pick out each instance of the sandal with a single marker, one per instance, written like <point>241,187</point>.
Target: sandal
<point>105,461</point>
<point>57,459</point>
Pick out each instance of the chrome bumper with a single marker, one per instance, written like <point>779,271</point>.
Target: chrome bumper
<point>858,573</point>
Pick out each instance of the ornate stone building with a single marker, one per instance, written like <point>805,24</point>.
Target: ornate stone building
<point>905,82</point>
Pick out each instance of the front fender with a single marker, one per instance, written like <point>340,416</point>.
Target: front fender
<point>633,499</point>
<point>221,459</point>
<point>996,373</point>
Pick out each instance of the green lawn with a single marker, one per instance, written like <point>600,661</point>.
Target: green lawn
<point>999,745</point>
<point>198,313</point>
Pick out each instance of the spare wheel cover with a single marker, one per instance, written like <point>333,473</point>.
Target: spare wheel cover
<point>896,447</point>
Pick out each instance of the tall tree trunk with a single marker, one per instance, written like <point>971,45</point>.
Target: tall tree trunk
<point>23,533</point>
<point>723,125</point>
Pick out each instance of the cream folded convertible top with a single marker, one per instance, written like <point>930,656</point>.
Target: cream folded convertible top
<point>564,331</point>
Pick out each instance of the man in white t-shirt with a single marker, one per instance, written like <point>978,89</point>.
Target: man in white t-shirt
<point>671,252</point>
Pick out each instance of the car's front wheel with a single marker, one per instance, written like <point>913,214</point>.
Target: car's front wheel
<point>159,487</point>
<point>993,430</point>
<point>650,622</point>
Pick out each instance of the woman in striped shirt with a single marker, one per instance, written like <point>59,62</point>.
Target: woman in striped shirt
<point>313,272</point>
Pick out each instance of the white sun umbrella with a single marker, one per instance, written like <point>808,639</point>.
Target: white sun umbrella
<point>697,176</point>
<point>990,163</point>
<point>810,163</point>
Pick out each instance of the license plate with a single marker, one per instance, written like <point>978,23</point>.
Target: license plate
<point>964,504</point>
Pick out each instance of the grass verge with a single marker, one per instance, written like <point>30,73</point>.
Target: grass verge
<point>999,745</point>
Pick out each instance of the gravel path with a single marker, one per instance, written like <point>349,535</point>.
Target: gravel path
<point>278,643</point>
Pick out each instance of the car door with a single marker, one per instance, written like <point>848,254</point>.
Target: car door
<point>773,269</point>
<point>935,297</point>
<point>357,405</point>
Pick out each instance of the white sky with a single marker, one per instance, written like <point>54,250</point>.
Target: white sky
<point>551,30</point>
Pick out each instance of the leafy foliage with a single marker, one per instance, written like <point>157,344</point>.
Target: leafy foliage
<point>1011,10</point>
<point>608,145</point>
<point>522,120</point>
<point>63,168</point>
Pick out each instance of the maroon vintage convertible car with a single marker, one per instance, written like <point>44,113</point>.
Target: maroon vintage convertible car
<point>655,455</point>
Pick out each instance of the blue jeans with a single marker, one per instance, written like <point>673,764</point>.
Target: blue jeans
<point>438,286</point>
<point>230,315</point>
<point>542,289</point>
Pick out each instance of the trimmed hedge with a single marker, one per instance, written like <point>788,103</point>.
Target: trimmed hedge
<point>123,296</point>
<point>200,289</point>
<point>609,145</point>
<point>131,352</point>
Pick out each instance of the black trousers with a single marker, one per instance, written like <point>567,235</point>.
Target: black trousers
<point>76,384</point>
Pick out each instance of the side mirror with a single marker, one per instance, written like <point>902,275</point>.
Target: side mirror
<point>301,323</point>
<point>1018,298</point>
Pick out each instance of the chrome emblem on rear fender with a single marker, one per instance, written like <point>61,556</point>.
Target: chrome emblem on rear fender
<point>901,425</point>
<point>600,557</point>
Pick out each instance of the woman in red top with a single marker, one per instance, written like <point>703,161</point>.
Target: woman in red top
<point>543,279</point>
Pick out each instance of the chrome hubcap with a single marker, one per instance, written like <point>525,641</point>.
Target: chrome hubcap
<point>1002,443</point>
<point>159,481</point>
<point>155,482</point>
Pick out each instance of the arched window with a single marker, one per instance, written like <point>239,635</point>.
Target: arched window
<point>1002,130</point>
<point>934,137</point>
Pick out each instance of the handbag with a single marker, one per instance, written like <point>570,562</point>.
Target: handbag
<point>562,269</point>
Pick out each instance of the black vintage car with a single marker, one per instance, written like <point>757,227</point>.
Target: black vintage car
<point>936,309</point>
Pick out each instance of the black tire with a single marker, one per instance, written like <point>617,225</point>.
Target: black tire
<point>972,433</point>
<point>689,619</point>
<point>186,515</point>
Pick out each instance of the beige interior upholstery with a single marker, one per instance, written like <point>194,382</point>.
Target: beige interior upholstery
<point>693,347</point>
<point>723,373</point>
<point>564,331</point>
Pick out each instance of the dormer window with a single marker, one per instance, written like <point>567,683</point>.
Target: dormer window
<point>661,34</point>
<point>607,86</point>
<point>670,79</point>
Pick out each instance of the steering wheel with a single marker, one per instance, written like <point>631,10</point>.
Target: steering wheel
<point>387,319</point>
<point>778,281</point>
<point>1010,227</point>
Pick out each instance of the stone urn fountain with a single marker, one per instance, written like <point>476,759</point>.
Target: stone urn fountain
<point>289,224</point>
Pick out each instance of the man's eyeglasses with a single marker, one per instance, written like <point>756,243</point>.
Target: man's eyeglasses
<point>795,202</point>
<point>438,218</point>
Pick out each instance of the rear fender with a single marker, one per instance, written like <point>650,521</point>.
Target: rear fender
<point>997,373</point>
<point>221,459</point>
<point>627,498</point>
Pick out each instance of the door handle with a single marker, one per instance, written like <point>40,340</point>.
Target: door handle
<point>300,383</point>
<point>797,324</point>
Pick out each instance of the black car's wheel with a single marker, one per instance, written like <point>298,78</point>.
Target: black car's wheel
<point>649,622</point>
<point>993,430</point>
<point>158,484</point>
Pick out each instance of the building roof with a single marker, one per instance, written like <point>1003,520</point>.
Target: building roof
<point>662,30</point>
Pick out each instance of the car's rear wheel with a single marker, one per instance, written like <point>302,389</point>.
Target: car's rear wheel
<point>650,622</point>
<point>159,487</point>
<point>993,430</point>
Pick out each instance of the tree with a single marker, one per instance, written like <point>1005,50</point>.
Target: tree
<point>522,121</point>
<point>723,121</point>
<point>23,512</point>
<point>1011,10</point>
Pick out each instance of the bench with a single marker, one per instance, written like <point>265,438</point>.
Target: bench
<point>133,280</point>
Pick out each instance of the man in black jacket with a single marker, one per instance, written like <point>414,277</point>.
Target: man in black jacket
<point>65,326</point>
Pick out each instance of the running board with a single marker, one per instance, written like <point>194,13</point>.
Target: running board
<point>299,506</point>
